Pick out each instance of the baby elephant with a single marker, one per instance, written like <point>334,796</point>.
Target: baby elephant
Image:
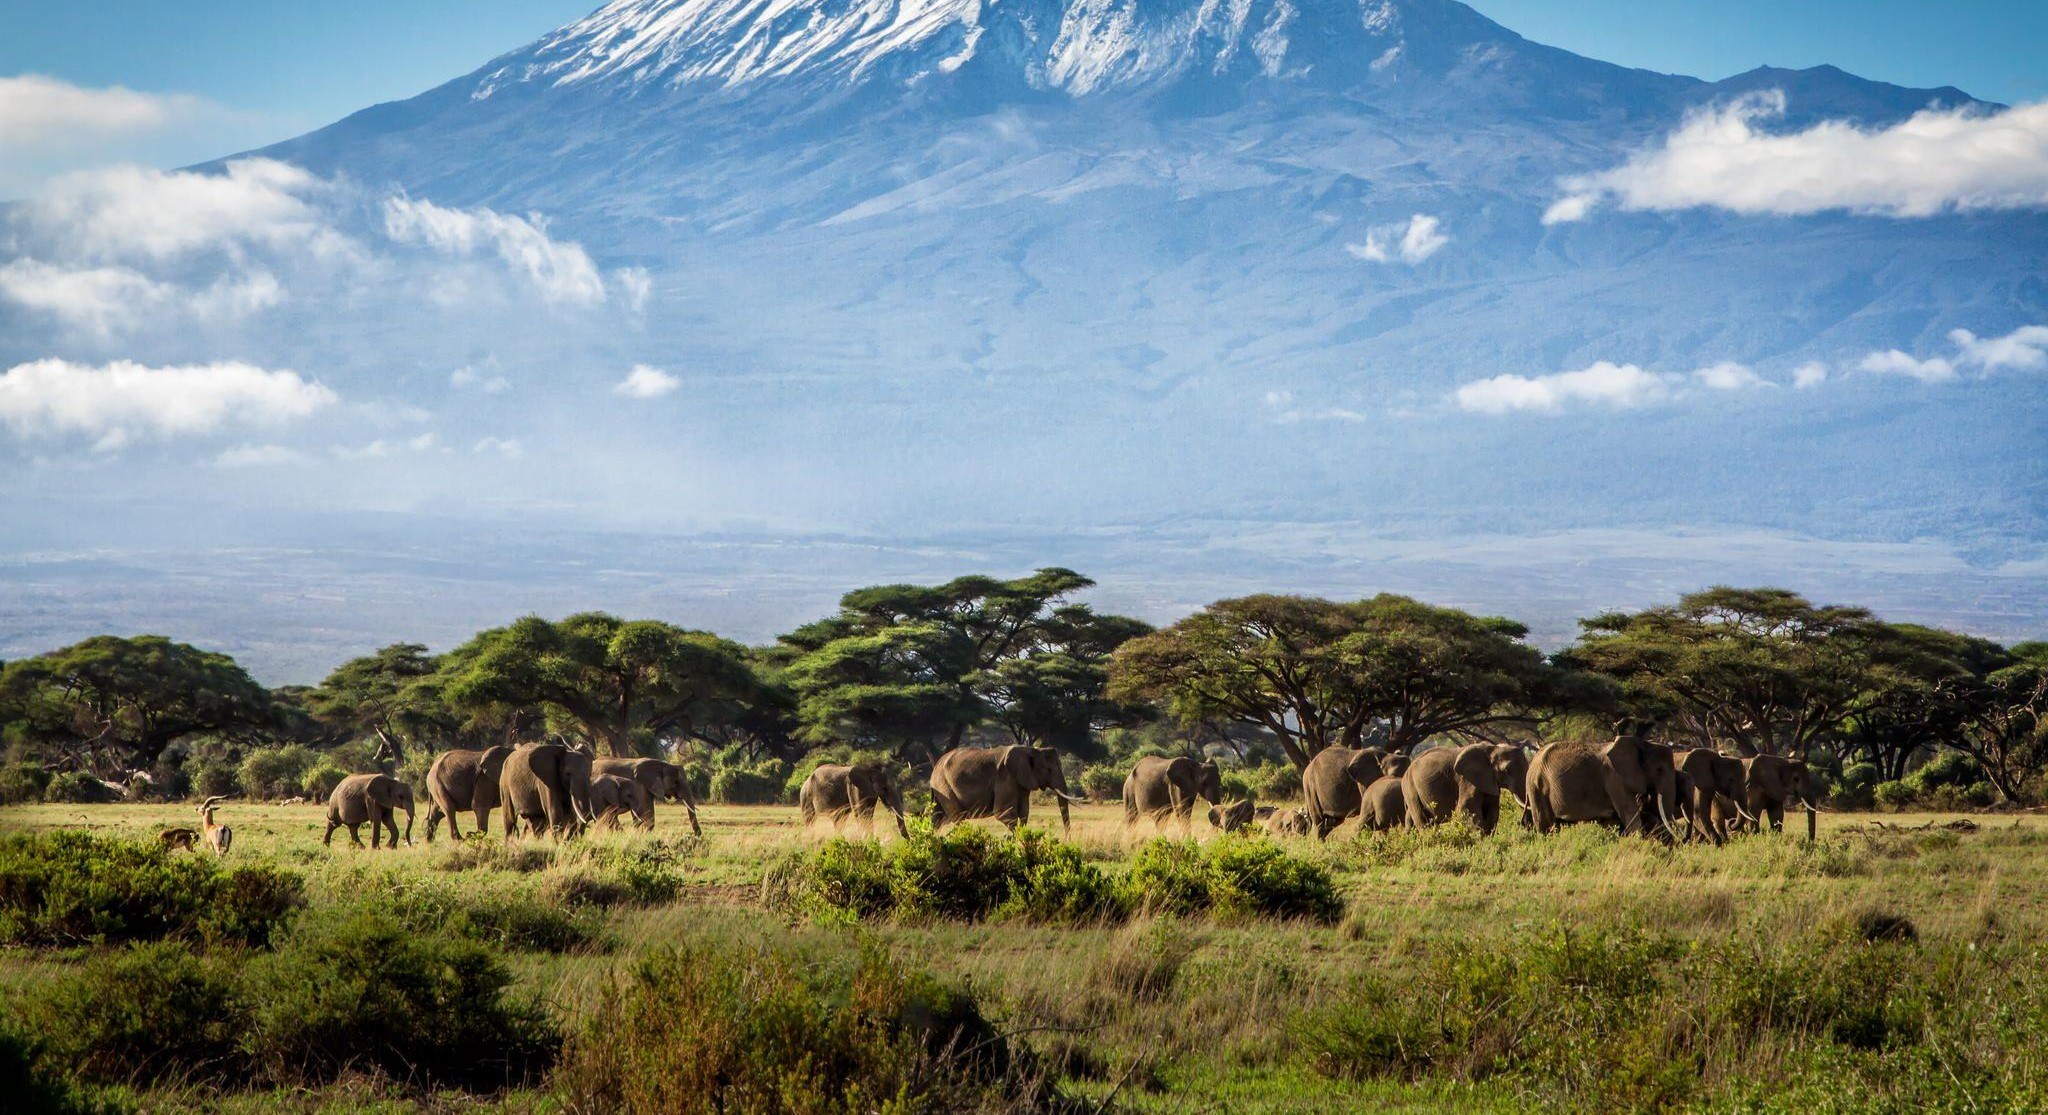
<point>1232,817</point>
<point>612,795</point>
<point>373,798</point>
<point>1287,822</point>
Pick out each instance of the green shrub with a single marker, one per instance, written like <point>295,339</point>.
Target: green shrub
<point>967,874</point>
<point>510,913</point>
<point>30,1085</point>
<point>68,888</point>
<point>214,777</point>
<point>1235,878</point>
<point>274,773</point>
<point>357,988</point>
<point>149,1013</point>
<point>76,786</point>
<point>320,781</point>
<point>1895,795</point>
<point>1947,768</point>
<point>22,783</point>
<point>1274,782</point>
<point>703,1030</point>
<point>760,784</point>
<point>1104,783</point>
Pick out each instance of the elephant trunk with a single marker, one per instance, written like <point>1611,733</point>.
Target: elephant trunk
<point>690,807</point>
<point>1065,826</point>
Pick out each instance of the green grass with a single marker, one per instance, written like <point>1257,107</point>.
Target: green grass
<point>1237,1014</point>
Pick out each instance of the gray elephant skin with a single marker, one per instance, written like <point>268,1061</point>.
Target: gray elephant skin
<point>1332,785</point>
<point>614,795</point>
<point>372,798</point>
<point>1630,782</point>
<point>1713,791</point>
<point>464,781</point>
<point>665,781</point>
<point>546,785</point>
<point>1446,781</point>
<point>996,782</point>
<point>1232,817</point>
<point>838,791</point>
<point>1384,805</point>
<point>1774,781</point>
<point>1160,787</point>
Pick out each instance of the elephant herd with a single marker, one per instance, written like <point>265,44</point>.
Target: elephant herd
<point>1631,783</point>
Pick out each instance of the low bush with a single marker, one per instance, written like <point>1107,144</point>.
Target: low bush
<point>30,1085</point>
<point>22,783</point>
<point>1238,877</point>
<point>967,874</point>
<point>760,784</point>
<point>274,773</point>
<point>150,1013</point>
<point>77,787</point>
<point>358,988</point>
<point>512,913</point>
<point>1582,1019</point>
<point>320,781</point>
<point>69,888</point>
<point>214,777</point>
<point>710,1030</point>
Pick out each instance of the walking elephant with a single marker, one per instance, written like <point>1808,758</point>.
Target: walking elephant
<point>368,797</point>
<point>1332,784</point>
<point>1772,781</point>
<point>1443,781</point>
<point>547,785</point>
<point>1384,805</point>
<point>1234,816</point>
<point>837,791</point>
<point>615,795</point>
<point>1712,787</point>
<point>1511,770</point>
<point>665,781</point>
<point>462,781</point>
<point>1159,787</point>
<point>1615,782</point>
<point>970,782</point>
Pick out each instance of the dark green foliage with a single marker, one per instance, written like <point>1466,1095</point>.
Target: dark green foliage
<point>1618,1021</point>
<point>76,787</point>
<point>150,1013</point>
<point>761,783</point>
<point>137,695</point>
<point>510,915</point>
<point>68,888</point>
<point>711,1030</point>
<point>966,875</point>
<point>22,783</point>
<point>358,988</point>
<point>33,1088</point>
<point>274,773</point>
<point>1237,877</point>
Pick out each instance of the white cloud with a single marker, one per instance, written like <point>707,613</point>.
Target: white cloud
<point>383,448</point>
<point>636,285</point>
<point>1281,403</point>
<point>42,113</point>
<point>645,382</point>
<point>1419,238</point>
<point>122,401</point>
<point>1892,362</point>
<point>1939,160</point>
<point>498,446</point>
<point>133,213</point>
<point>1603,383</point>
<point>1809,375</point>
<point>103,299</point>
<point>485,379</point>
<point>2025,347</point>
<point>1729,376</point>
<point>259,456</point>
<point>560,270</point>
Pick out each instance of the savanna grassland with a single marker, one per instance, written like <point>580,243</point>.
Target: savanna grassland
<point>1886,967</point>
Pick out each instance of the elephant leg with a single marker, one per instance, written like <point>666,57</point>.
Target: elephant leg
<point>1778,816</point>
<point>434,815</point>
<point>327,839</point>
<point>453,832</point>
<point>355,836</point>
<point>483,819</point>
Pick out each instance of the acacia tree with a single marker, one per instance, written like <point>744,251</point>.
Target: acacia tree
<point>600,678</point>
<point>915,667</point>
<point>1315,672</point>
<point>2007,727</point>
<point>1921,690</point>
<point>380,694</point>
<point>1762,668</point>
<point>112,702</point>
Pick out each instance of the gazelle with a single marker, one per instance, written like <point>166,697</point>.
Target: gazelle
<point>218,836</point>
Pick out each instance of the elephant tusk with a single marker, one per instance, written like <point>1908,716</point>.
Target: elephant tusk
<point>1666,818</point>
<point>1069,797</point>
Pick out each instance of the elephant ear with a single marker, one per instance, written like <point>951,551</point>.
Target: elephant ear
<point>1365,768</point>
<point>1625,755</point>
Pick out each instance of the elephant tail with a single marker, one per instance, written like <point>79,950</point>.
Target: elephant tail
<point>1130,810</point>
<point>807,803</point>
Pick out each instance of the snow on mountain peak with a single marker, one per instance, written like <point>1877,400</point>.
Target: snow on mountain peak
<point>1076,46</point>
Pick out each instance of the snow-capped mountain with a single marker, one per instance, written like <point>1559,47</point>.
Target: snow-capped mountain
<point>931,269</point>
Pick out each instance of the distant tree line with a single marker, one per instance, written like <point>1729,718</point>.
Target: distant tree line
<point>911,671</point>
